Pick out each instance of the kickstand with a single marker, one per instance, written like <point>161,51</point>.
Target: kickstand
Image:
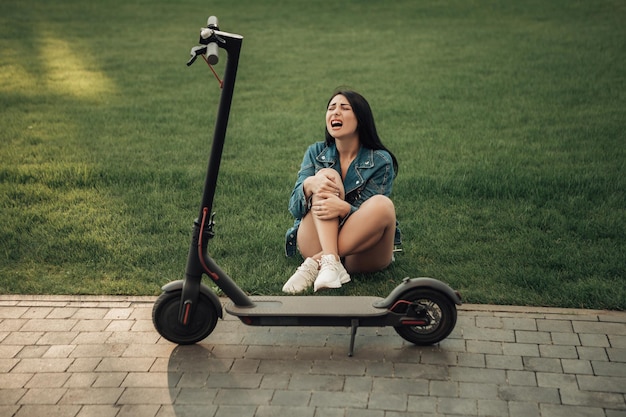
<point>355,325</point>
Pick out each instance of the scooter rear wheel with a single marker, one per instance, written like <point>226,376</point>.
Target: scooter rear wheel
<point>430,316</point>
<point>165,318</point>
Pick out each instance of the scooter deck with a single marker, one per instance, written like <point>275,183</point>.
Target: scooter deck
<point>309,306</point>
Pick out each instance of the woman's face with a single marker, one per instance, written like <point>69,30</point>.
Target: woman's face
<point>340,119</point>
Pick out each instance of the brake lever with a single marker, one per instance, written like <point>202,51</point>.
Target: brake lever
<point>195,51</point>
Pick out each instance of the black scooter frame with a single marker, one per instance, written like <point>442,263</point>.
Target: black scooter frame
<point>422,310</point>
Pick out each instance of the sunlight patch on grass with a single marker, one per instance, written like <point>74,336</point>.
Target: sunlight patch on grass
<point>14,78</point>
<point>70,69</point>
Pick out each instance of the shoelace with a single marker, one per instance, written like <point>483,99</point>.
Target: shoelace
<point>324,262</point>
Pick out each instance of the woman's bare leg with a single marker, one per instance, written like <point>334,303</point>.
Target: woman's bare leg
<point>317,237</point>
<point>367,237</point>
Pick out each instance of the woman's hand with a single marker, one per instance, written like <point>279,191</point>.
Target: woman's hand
<point>328,206</point>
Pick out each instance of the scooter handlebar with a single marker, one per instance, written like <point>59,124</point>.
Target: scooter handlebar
<point>211,39</point>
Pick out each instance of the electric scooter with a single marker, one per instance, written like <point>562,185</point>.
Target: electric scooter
<point>421,310</point>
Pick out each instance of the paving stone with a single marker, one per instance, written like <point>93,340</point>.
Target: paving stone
<point>295,411</point>
<point>193,396</point>
<point>462,406</point>
<point>14,380</point>
<point>22,338</point>
<point>47,380</point>
<point>504,362</point>
<point>551,410</point>
<point>524,409</point>
<point>474,360</point>
<point>237,396</point>
<point>124,364</point>
<point>552,351</point>
<point>520,349</point>
<point>597,340</point>
<point>136,350</point>
<point>339,367</point>
<point>573,396</point>
<point>616,355</point>
<point>524,336</point>
<point>477,375</point>
<point>562,326</point>
<point>493,335</point>
<point>275,381</point>
<point>600,328</point>
<point>519,393</point>
<point>10,312</point>
<point>37,312</point>
<point>543,364</point>
<point>576,366</point>
<point>478,391</point>
<point>524,378</point>
<point>99,411</point>
<point>32,351</point>
<point>617,341</point>
<point>603,368</point>
<point>101,350</point>
<point>387,401</point>
<point>339,399</point>
<point>411,386</point>
<point>291,398</point>
<point>43,395</point>
<point>552,380</point>
<point>602,383</point>
<point>91,396</point>
<point>492,408</point>
<point>178,410</point>
<point>145,395</point>
<point>36,365</point>
<point>47,411</point>
<point>570,339</point>
<point>483,347</point>
<point>592,353</point>
<point>443,389</point>
<point>80,380</point>
<point>519,323</point>
<point>409,370</point>
<point>377,368</point>
<point>109,379</point>
<point>316,382</point>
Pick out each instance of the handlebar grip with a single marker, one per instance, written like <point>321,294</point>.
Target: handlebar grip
<point>211,23</point>
<point>212,48</point>
<point>211,53</point>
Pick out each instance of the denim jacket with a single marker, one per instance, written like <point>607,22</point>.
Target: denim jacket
<point>370,173</point>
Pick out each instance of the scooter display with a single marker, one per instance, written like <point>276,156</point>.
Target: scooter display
<point>421,310</point>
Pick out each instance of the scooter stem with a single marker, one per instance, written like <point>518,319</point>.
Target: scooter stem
<point>233,47</point>
<point>198,262</point>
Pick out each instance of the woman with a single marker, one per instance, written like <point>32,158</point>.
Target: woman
<point>341,200</point>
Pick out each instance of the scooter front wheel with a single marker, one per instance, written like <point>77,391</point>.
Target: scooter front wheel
<point>430,316</point>
<point>165,318</point>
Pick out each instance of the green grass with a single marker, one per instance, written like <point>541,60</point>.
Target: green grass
<point>507,117</point>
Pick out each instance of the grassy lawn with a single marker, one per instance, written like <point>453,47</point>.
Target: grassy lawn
<point>508,119</point>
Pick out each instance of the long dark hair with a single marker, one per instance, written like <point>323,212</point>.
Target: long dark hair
<point>366,128</point>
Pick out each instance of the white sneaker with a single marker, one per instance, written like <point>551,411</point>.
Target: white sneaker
<point>332,274</point>
<point>303,278</point>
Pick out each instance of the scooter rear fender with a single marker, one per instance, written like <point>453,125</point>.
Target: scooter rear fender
<point>413,283</point>
<point>178,285</point>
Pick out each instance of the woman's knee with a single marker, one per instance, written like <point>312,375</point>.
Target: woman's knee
<point>330,173</point>
<point>382,206</point>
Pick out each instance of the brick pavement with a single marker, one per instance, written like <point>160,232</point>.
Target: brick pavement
<point>100,356</point>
